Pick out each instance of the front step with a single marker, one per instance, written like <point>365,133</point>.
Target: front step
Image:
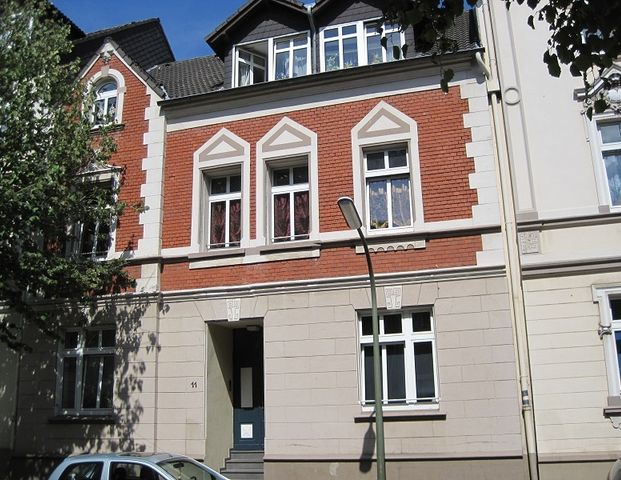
<point>244,465</point>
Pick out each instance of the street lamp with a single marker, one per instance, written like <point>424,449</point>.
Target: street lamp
<point>348,209</point>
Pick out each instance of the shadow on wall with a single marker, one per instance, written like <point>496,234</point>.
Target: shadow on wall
<point>43,436</point>
<point>368,448</point>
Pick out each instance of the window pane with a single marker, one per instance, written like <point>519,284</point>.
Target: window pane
<point>392,323</point>
<point>401,212</point>
<point>243,74</point>
<point>367,326</point>
<point>103,239</point>
<point>350,52</point>
<point>421,322</point>
<point>107,338</point>
<point>88,238</point>
<point>612,161</point>
<point>374,50</point>
<point>245,56</point>
<point>258,60</point>
<point>111,108</point>
<point>281,216</point>
<point>369,393</point>
<point>330,32</point>
<point>71,339</point>
<point>378,206</point>
<point>281,177</point>
<point>611,132</point>
<point>282,44</point>
<point>349,30</point>
<point>235,222</point>
<point>397,158</point>
<point>217,224</point>
<point>69,381</point>
<point>299,62</point>
<point>107,382</point>
<point>258,74</point>
<point>331,54</point>
<point>235,183</point>
<point>395,364</point>
<point>107,87</point>
<point>92,339</point>
<point>218,185</point>
<point>392,40</point>
<point>89,470</point>
<point>423,362</point>
<point>299,42</point>
<point>300,175</point>
<point>375,161</point>
<point>615,306</point>
<point>90,381</point>
<point>300,210</point>
<point>282,65</point>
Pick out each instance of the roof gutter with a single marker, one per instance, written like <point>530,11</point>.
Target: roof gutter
<point>313,39</point>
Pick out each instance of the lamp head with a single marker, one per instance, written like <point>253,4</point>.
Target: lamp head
<point>350,214</point>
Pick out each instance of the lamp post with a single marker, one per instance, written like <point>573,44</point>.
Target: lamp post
<point>348,209</point>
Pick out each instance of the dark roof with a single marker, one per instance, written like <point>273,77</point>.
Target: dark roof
<point>465,31</point>
<point>144,42</point>
<point>190,77</point>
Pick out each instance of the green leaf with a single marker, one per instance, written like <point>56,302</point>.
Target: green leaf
<point>447,76</point>
<point>531,22</point>
<point>600,105</point>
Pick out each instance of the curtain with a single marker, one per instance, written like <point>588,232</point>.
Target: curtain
<point>217,224</point>
<point>301,216</point>
<point>282,224</point>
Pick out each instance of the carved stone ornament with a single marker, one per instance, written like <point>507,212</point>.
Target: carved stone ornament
<point>105,57</point>
<point>233,307</point>
<point>393,297</point>
<point>610,91</point>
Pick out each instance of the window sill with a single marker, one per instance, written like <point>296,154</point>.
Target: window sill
<point>217,253</point>
<point>221,257</point>
<point>103,419</point>
<point>402,416</point>
<point>288,246</point>
<point>110,127</point>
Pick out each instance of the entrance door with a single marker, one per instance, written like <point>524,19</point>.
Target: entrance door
<point>248,424</point>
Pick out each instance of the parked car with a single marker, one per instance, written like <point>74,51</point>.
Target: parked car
<point>133,466</point>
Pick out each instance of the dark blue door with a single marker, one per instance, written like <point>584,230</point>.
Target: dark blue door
<point>249,428</point>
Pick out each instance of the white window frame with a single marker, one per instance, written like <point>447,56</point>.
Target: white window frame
<point>74,246</point>
<point>339,38</point>
<point>388,174</point>
<point>291,48</point>
<point>284,143</point>
<point>237,60</point>
<point>105,97</point>
<point>223,152</point>
<point>386,28</point>
<point>408,338</point>
<point>227,197</point>
<point>107,74</point>
<point>290,190</point>
<point>606,330</point>
<point>385,126</point>
<point>598,148</point>
<point>79,353</point>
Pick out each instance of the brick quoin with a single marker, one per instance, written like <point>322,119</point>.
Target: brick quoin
<point>333,262</point>
<point>130,152</point>
<point>442,138</point>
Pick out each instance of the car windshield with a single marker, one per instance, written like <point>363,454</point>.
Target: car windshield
<point>186,470</point>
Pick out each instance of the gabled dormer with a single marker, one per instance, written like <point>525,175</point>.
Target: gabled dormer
<point>264,40</point>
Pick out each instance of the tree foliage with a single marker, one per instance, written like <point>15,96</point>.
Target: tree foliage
<point>47,148</point>
<point>585,35</point>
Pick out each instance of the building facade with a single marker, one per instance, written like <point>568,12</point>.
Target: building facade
<point>491,230</point>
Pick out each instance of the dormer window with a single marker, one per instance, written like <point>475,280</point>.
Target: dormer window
<point>250,67</point>
<point>291,57</point>
<point>376,53</point>
<point>340,47</point>
<point>105,107</point>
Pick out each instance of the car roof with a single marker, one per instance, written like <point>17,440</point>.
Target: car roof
<point>149,457</point>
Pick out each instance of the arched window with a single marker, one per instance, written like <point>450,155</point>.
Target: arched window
<point>105,107</point>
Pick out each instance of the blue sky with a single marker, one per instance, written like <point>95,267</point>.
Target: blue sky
<point>186,22</point>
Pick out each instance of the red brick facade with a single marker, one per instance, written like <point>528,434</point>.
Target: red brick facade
<point>444,176</point>
<point>130,151</point>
